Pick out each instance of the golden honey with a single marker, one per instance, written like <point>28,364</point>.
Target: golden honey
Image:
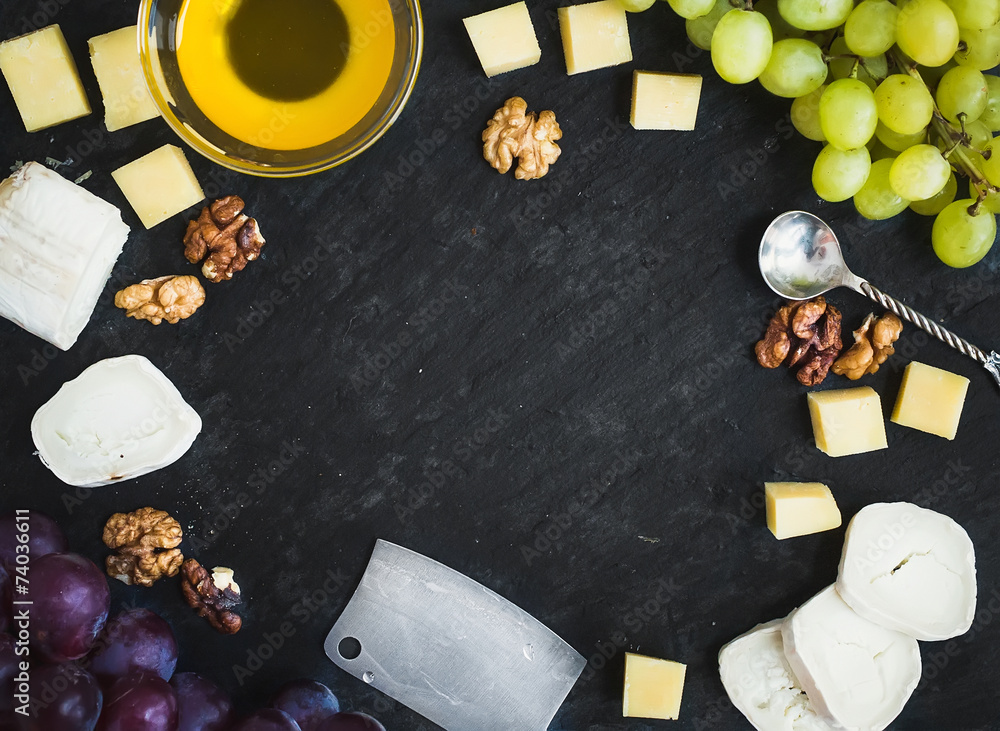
<point>285,74</point>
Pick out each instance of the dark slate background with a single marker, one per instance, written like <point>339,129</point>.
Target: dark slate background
<point>583,343</point>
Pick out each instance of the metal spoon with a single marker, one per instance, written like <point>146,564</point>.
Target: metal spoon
<point>800,258</point>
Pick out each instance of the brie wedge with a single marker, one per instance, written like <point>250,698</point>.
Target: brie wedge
<point>763,687</point>
<point>58,243</point>
<point>909,569</point>
<point>119,419</point>
<point>858,674</point>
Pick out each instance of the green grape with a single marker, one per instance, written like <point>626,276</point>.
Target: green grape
<point>796,68</point>
<point>991,115</point>
<point>979,134</point>
<point>962,91</point>
<point>961,239</point>
<point>982,48</point>
<point>877,200</point>
<point>976,14</point>
<point>897,142</point>
<point>741,46</point>
<point>904,104</point>
<point>871,27</point>
<point>687,9</point>
<point>937,203</point>
<point>842,68</point>
<point>700,30</point>
<point>927,32</point>
<point>919,173</point>
<point>839,174</point>
<point>990,166</point>
<point>847,114</point>
<point>815,14</point>
<point>780,28</point>
<point>992,200</point>
<point>805,115</point>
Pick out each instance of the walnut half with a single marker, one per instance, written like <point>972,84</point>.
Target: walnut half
<point>172,298</point>
<point>213,595</point>
<point>515,132</point>
<point>224,238</point>
<point>146,542</point>
<point>872,346</point>
<point>805,335</point>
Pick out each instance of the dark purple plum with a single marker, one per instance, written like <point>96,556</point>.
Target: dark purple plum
<point>307,701</point>
<point>351,722</point>
<point>267,719</point>
<point>135,640</point>
<point>6,596</point>
<point>44,536</point>
<point>139,702</point>
<point>70,606</point>
<point>63,698</point>
<point>201,704</point>
<point>9,662</point>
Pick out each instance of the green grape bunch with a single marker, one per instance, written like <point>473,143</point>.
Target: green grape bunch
<point>896,91</point>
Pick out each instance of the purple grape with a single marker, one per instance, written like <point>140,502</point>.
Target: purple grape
<point>63,698</point>
<point>44,536</point>
<point>139,702</point>
<point>134,641</point>
<point>351,722</point>
<point>71,602</point>
<point>267,719</point>
<point>8,670</point>
<point>6,596</point>
<point>307,701</point>
<point>201,704</point>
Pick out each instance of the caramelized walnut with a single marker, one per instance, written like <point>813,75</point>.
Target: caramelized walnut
<point>803,335</point>
<point>146,542</point>
<point>172,298</point>
<point>213,595</point>
<point>224,238</point>
<point>872,346</point>
<point>515,132</point>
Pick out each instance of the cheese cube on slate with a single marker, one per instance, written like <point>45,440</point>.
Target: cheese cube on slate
<point>115,57</point>
<point>848,421</point>
<point>504,39</point>
<point>800,508</point>
<point>159,185</point>
<point>930,400</point>
<point>653,687</point>
<point>594,35</point>
<point>665,101</point>
<point>58,243</point>
<point>43,79</point>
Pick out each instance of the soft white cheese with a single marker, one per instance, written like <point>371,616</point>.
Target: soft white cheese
<point>909,569</point>
<point>763,687</point>
<point>119,419</point>
<point>858,674</point>
<point>58,244</point>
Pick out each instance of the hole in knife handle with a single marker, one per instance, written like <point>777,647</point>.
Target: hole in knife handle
<point>349,648</point>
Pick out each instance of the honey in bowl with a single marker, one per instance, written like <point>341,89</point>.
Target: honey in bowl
<point>285,74</point>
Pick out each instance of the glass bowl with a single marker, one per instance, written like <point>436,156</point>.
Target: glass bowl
<point>157,48</point>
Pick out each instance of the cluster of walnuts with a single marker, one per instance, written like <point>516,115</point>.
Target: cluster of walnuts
<point>807,336</point>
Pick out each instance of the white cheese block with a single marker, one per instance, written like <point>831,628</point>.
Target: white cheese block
<point>43,79</point>
<point>909,569</point>
<point>115,57</point>
<point>58,244</point>
<point>763,687</point>
<point>594,36</point>
<point>504,39</point>
<point>159,185</point>
<point>119,419</point>
<point>858,674</point>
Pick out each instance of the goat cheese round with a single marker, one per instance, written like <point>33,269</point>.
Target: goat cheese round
<point>909,569</point>
<point>858,674</point>
<point>763,687</point>
<point>119,419</point>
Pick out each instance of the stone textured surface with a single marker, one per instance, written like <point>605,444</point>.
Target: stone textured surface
<point>547,385</point>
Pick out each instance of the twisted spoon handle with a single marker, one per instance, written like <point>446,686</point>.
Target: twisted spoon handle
<point>991,361</point>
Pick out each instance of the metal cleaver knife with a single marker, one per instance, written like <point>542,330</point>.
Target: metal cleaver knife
<point>449,648</point>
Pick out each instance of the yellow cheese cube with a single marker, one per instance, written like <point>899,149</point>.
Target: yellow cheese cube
<point>848,421</point>
<point>800,508</point>
<point>653,687</point>
<point>115,57</point>
<point>159,185</point>
<point>43,79</point>
<point>594,35</point>
<point>665,101</point>
<point>504,39</point>
<point>930,400</point>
